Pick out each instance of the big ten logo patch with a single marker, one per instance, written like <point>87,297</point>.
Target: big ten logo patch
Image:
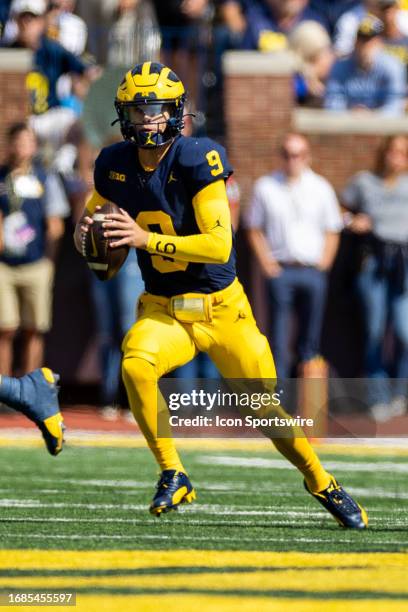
<point>117,176</point>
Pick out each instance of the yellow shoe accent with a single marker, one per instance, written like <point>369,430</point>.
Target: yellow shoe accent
<point>55,427</point>
<point>190,497</point>
<point>178,495</point>
<point>364,515</point>
<point>48,375</point>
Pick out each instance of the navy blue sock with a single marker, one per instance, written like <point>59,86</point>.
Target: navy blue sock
<point>10,392</point>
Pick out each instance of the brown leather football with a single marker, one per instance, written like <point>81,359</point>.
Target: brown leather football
<point>104,261</point>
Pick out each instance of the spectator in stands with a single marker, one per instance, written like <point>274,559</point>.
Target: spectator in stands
<point>63,26</point>
<point>312,45</point>
<point>232,17</point>
<point>346,28</point>
<point>32,205</point>
<point>395,41</point>
<point>270,22</point>
<point>49,120</point>
<point>332,10</point>
<point>72,33</point>
<point>134,36</point>
<point>186,34</point>
<point>4,14</point>
<point>370,79</point>
<point>378,205</point>
<point>294,223</point>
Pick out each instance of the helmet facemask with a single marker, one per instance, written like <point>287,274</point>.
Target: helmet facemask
<point>166,117</point>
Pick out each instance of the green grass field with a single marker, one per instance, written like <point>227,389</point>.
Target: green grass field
<point>96,499</point>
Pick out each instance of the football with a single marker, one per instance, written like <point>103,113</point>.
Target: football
<point>104,261</point>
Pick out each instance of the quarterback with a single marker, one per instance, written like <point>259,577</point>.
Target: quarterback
<point>174,211</point>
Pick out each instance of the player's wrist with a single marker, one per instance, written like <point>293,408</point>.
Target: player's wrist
<point>150,240</point>
<point>144,240</point>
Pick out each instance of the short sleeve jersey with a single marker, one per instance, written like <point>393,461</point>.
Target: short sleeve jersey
<point>385,205</point>
<point>23,207</point>
<point>161,202</point>
<point>50,61</point>
<point>263,31</point>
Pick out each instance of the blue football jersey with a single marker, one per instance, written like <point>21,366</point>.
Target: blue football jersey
<point>161,202</point>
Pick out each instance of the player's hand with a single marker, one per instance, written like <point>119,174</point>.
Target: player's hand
<point>82,228</point>
<point>360,224</point>
<point>85,222</point>
<point>125,229</point>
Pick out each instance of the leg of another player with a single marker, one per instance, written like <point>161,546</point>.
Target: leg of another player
<point>36,396</point>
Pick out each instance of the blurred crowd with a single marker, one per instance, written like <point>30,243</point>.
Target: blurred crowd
<point>349,55</point>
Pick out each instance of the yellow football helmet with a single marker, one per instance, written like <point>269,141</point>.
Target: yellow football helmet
<point>155,90</point>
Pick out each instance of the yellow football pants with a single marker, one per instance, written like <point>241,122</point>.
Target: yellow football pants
<point>158,343</point>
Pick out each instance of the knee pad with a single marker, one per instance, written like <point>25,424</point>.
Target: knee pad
<point>139,370</point>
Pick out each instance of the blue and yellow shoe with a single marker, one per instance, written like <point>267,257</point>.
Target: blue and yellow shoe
<point>173,488</point>
<point>341,505</point>
<point>39,402</point>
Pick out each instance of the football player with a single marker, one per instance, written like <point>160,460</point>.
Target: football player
<point>36,396</point>
<point>174,211</point>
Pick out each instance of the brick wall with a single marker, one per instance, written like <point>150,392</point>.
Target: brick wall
<point>345,143</point>
<point>258,109</point>
<point>14,102</point>
<point>339,156</point>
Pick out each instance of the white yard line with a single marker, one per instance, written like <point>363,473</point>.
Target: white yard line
<point>151,520</point>
<point>195,538</point>
<point>281,464</point>
<point>215,509</point>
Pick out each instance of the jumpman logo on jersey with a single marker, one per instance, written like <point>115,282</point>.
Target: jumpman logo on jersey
<point>218,224</point>
<point>171,178</point>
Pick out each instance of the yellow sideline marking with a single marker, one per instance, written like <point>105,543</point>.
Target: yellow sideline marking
<point>211,603</point>
<point>29,438</point>
<point>214,603</point>
<point>105,559</point>
<point>313,581</point>
<point>371,572</point>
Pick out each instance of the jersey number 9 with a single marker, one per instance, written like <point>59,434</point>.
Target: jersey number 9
<point>147,220</point>
<point>214,161</point>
